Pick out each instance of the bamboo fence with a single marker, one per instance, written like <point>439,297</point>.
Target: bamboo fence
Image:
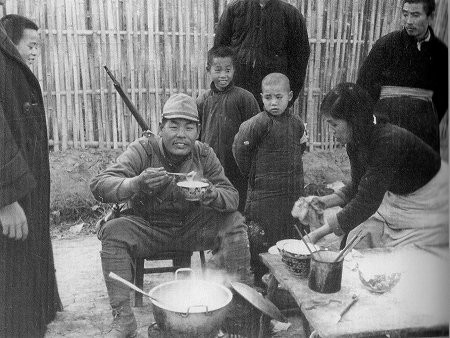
<point>158,47</point>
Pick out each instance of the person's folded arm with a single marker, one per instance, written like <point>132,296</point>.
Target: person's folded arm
<point>248,139</point>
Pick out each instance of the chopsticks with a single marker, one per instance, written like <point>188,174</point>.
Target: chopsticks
<point>301,237</point>
<point>350,245</point>
<point>343,312</point>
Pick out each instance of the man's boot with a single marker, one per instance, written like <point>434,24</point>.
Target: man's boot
<point>123,324</point>
<point>117,260</point>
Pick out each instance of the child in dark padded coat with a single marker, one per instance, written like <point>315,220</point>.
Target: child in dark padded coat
<point>268,150</point>
<point>222,109</point>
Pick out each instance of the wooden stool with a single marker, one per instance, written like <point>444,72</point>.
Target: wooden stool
<point>180,259</point>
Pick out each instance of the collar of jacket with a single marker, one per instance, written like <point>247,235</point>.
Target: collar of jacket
<point>267,5</point>
<point>410,40</point>
<point>7,45</point>
<point>216,91</point>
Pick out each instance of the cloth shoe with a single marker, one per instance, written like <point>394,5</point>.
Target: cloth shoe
<point>123,324</point>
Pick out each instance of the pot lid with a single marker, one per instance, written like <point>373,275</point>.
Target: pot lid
<point>258,301</point>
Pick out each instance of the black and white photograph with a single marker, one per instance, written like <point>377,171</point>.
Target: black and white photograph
<point>224,168</point>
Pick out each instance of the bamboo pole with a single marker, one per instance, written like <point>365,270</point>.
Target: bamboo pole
<point>188,48</point>
<point>372,24</point>
<point>94,70</point>
<point>385,25</point>
<point>203,48</point>
<point>105,130</point>
<point>167,51</point>
<point>130,123</point>
<point>69,75</point>
<point>50,76</point>
<point>78,119</point>
<point>152,60</point>
<point>196,84</point>
<point>67,78</point>
<point>181,45</point>
<point>154,43</point>
<point>339,41</point>
<point>161,86</point>
<point>142,72</point>
<point>358,39</point>
<point>123,78</point>
<point>173,42</point>
<point>86,77</point>
<point>113,65</point>
<point>310,98</point>
<point>40,66</point>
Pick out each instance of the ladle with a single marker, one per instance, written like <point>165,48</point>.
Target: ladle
<point>131,285</point>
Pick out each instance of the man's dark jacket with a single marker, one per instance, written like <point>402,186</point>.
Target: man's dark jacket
<point>396,61</point>
<point>28,292</point>
<point>265,39</point>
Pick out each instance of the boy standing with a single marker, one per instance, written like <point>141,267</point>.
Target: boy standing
<point>268,149</point>
<point>222,109</point>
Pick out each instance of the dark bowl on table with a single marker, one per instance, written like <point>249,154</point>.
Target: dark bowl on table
<point>297,264</point>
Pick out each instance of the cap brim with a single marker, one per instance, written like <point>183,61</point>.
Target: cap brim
<point>183,116</point>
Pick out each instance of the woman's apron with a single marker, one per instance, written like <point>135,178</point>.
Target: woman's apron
<point>421,217</point>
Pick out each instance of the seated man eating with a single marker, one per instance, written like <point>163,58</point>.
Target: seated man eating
<point>157,217</point>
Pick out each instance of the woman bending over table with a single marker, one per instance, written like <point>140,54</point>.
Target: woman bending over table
<point>399,187</point>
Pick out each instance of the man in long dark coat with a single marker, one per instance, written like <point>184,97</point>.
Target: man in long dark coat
<point>28,292</point>
<point>406,73</point>
<point>266,36</point>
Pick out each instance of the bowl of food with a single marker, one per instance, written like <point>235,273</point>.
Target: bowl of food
<point>296,256</point>
<point>378,280</point>
<point>193,190</point>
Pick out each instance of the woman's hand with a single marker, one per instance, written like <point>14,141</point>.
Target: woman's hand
<point>309,210</point>
<point>13,221</point>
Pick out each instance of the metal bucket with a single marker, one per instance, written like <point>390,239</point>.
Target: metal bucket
<point>325,275</point>
<point>190,308</point>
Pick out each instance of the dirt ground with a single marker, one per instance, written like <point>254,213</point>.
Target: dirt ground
<point>76,248</point>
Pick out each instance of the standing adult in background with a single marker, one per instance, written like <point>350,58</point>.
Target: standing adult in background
<point>407,72</point>
<point>267,36</point>
<point>28,292</point>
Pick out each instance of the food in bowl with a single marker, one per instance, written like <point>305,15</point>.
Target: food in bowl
<point>296,247</point>
<point>193,190</point>
<point>379,282</point>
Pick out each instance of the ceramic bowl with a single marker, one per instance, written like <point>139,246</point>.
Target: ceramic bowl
<point>296,256</point>
<point>192,190</point>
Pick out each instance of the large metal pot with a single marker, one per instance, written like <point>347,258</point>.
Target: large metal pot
<point>190,307</point>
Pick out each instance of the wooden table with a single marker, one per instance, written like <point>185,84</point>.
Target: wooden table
<point>418,304</point>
